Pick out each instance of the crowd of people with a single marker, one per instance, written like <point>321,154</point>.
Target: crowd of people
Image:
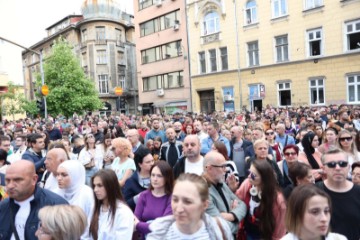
<point>280,173</point>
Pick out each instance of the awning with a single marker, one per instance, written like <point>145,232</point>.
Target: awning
<point>170,103</point>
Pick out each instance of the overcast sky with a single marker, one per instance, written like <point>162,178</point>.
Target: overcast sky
<point>24,22</point>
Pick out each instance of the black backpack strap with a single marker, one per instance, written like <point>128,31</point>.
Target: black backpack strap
<point>12,223</point>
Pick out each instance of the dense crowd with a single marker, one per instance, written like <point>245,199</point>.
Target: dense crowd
<point>280,173</point>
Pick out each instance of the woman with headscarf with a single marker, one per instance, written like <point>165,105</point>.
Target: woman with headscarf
<point>311,156</point>
<point>71,182</point>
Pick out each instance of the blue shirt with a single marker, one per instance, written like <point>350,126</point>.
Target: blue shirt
<point>208,142</point>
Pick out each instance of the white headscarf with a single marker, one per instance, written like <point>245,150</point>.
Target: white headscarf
<point>76,173</point>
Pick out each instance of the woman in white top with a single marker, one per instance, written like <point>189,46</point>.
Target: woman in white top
<point>122,165</point>
<point>71,182</point>
<point>91,157</point>
<point>112,219</point>
<point>308,215</point>
<point>189,221</point>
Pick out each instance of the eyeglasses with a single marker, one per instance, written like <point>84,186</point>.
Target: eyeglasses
<point>269,133</point>
<point>341,164</point>
<point>219,166</point>
<point>41,229</point>
<point>348,139</point>
<point>290,153</point>
<point>252,175</point>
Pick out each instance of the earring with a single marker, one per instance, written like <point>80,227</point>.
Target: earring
<point>254,192</point>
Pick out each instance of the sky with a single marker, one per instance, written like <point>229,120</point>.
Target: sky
<point>25,21</point>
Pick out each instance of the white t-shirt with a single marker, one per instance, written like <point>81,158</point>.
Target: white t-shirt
<point>175,234</point>
<point>21,217</point>
<point>197,167</point>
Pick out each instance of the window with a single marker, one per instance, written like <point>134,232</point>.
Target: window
<point>251,12</point>
<point>279,8</point>
<point>253,53</point>
<point>100,33</point>
<point>150,83</point>
<point>160,23</point>
<point>211,23</point>
<point>353,35</point>
<point>103,84</point>
<point>166,51</point>
<point>84,35</point>
<point>202,61</point>
<point>281,46</point>
<point>224,58</point>
<point>84,59</point>
<point>353,84</point>
<point>284,92</point>
<point>168,80</point>
<point>314,42</point>
<point>212,58</point>
<point>313,4</point>
<point>118,34</point>
<point>317,91</point>
<point>101,57</point>
<point>145,3</point>
<point>121,81</point>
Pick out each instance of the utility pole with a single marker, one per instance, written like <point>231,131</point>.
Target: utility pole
<point>41,66</point>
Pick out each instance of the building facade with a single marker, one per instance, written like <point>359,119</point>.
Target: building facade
<point>278,52</point>
<point>162,56</point>
<point>102,38</point>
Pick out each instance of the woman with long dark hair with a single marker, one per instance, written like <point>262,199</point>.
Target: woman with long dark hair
<point>266,205</point>
<point>311,156</point>
<point>158,194</point>
<point>112,218</point>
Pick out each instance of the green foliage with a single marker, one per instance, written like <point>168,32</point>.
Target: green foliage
<point>12,101</point>
<point>69,89</point>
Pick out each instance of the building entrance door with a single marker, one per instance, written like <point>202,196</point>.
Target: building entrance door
<point>207,101</point>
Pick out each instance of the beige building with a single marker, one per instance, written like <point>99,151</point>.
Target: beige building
<point>103,41</point>
<point>278,52</point>
<point>162,56</point>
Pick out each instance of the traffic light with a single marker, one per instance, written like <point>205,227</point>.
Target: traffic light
<point>121,103</point>
<point>40,105</point>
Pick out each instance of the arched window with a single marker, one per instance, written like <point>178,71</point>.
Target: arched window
<point>250,12</point>
<point>211,23</point>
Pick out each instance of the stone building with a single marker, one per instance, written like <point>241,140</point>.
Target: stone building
<point>103,41</point>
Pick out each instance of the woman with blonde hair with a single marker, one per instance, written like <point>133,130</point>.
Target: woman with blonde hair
<point>122,165</point>
<point>347,144</point>
<point>61,222</point>
<point>189,202</point>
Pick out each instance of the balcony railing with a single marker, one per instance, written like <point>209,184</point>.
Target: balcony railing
<point>210,38</point>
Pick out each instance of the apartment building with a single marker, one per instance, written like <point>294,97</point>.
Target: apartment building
<point>162,56</point>
<point>277,52</point>
<point>102,38</point>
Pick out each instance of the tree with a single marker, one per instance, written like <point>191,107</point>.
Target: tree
<point>69,89</point>
<point>12,101</point>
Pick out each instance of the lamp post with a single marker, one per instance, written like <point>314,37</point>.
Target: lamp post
<point>41,66</point>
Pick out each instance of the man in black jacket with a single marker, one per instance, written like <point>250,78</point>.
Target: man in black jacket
<point>18,213</point>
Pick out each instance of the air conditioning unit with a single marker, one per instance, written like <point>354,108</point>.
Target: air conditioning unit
<point>158,3</point>
<point>167,56</point>
<point>176,25</point>
<point>227,97</point>
<point>160,92</point>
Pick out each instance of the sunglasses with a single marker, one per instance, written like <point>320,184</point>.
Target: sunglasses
<point>290,153</point>
<point>341,164</point>
<point>346,139</point>
<point>269,133</point>
<point>252,175</point>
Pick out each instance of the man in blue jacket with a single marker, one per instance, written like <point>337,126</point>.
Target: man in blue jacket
<point>18,213</point>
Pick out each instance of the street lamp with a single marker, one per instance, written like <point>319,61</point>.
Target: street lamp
<point>41,66</point>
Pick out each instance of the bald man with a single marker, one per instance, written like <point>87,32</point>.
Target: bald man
<point>18,213</point>
<point>53,159</point>
<point>191,161</point>
<point>133,136</point>
<point>222,201</point>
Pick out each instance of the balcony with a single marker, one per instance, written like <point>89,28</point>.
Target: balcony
<point>211,38</point>
<point>100,42</point>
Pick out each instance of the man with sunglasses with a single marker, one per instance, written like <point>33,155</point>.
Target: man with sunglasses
<point>345,196</point>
